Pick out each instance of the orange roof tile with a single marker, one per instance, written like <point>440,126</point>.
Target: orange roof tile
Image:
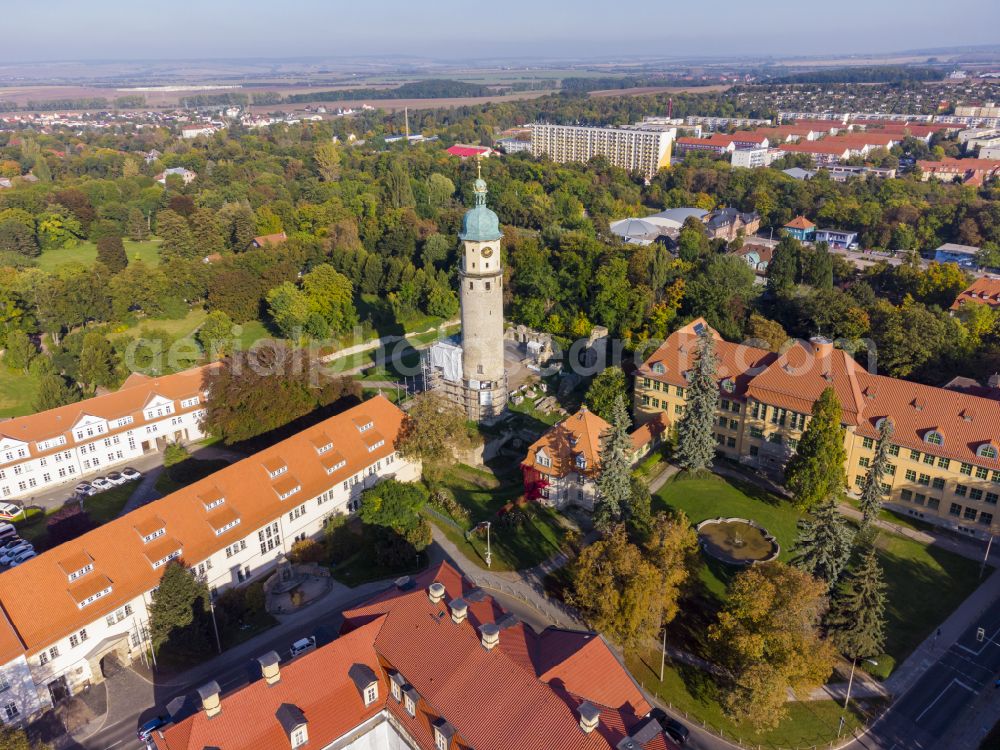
<point>800,222</point>
<point>119,553</point>
<point>577,436</point>
<point>984,290</point>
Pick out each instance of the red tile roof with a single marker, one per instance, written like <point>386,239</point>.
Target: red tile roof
<point>120,555</point>
<point>467,151</point>
<point>800,222</point>
<point>984,290</point>
<point>524,693</point>
<point>270,239</point>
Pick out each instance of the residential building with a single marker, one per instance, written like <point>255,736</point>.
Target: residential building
<point>432,664</point>
<point>185,174</point>
<point>944,467</point>
<point>721,123</point>
<point>973,137</point>
<point>716,143</point>
<point>632,149</point>
<point>269,240</point>
<point>984,290</point>
<point>729,223</point>
<point>756,255</point>
<point>751,158</point>
<point>987,109</point>
<point>822,152</point>
<point>563,465</point>
<point>970,171</point>
<point>843,172</point>
<point>193,131</point>
<point>229,528</point>
<point>663,227</point>
<point>990,152</point>
<point>54,447</point>
<point>514,145</point>
<point>951,252</point>
<point>836,237</point>
<point>801,229</point>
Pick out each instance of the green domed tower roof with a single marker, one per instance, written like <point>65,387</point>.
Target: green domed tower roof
<point>480,224</point>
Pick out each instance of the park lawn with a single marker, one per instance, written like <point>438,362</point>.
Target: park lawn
<point>251,332</point>
<point>687,690</point>
<point>483,495</point>
<point>18,391</point>
<point>107,506</point>
<point>85,253</point>
<point>925,583</point>
<point>719,497</point>
<point>528,409</point>
<point>178,328</point>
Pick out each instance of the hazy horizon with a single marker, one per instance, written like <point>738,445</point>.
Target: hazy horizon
<point>115,30</point>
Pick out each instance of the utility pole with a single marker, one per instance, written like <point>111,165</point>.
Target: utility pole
<point>850,682</point>
<point>663,653</point>
<point>986,557</point>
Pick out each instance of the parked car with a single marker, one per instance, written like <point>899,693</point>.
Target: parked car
<point>115,478</point>
<point>22,557</point>
<point>85,489</point>
<point>671,727</point>
<point>145,732</point>
<point>131,474</point>
<point>9,510</point>
<point>13,552</point>
<point>303,646</point>
<point>10,543</point>
<point>101,484</point>
<point>7,531</point>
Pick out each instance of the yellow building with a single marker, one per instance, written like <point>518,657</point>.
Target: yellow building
<point>945,466</point>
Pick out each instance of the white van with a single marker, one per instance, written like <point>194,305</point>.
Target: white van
<point>303,646</point>
<point>7,531</point>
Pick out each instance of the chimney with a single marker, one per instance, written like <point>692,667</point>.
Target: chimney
<point>436,592</point>
<point>269,667</point>
<point>209,694</point>
<point>822,346</point>
<point>459,611</point>
<point>490,635</point>
<point>994,381</point>
<point>590,717</point>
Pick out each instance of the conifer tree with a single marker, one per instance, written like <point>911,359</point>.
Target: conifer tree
<point>614,489</point>
<point>823,545</point>
<point>136,225</point>
<point>871,488</point>
<point>816,471</point>
<point>857,617</point>
<point>695,433</point>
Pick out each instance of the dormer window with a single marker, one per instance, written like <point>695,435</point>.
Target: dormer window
<point>371,693</point>
<point>365,681</point>
<point>728,385</point>
<point>396,683</point>
<point>658,368</point>
<point>289,492</point>
<point>81,572</point>
<point>443,732</point>
<point>215,503</point>
<point>324,448</point>
<point>300,737</point>
<point>581,461</point>
<point>277,472</point>
<point>934,437</point>
<point>375,446</point>
<point>410,697</point>
<point>150,537</point>
<point>986,450</point>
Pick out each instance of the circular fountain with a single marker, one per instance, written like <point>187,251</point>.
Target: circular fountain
<point>737,541</point>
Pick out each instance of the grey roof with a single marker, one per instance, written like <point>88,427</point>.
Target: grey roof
<point>362,676</point>
<point>646,731</point>
<point>589,712</point>
<point>799,173</point>
<point>680,215</point>
<point>726,216</point>
<point>635,229</point>
<point>445,728</point>
<point>209,689</point>
<point>289,716</point>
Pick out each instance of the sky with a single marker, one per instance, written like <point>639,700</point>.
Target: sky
<point>40,30</point>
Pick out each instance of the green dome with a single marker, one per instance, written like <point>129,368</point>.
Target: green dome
<point>480,224</point>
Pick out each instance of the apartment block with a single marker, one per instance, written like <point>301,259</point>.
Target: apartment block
<point>945,467</point>
<point>229,529</point>
<point>633,149</point>
<point>42,450</point>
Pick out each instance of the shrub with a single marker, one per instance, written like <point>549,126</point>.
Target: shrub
<point>883,667</point>
<point>309,551</point>
<point>513,519</point>
<point>444,500</point>
<point>174,454</point>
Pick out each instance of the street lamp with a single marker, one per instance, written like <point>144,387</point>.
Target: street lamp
<point>489,554</point>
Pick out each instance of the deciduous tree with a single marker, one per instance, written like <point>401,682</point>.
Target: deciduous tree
<point>432,431</point>
<point>604,391</point>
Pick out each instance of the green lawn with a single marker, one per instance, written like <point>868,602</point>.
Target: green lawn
<point>688,690</point>
<point>17,393</point>
<point>187,472</point>
<point>86,253</point>
<point>177,328</point>
<point>252,332</point>
<point>925,583</point>
<point>513,548</point>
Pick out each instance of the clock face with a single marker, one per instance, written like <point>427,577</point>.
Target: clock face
<point>487,252</point>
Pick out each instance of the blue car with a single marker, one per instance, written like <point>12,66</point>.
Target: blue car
<point>145,732</point>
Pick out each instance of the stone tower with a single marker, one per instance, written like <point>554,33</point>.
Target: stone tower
<point>480,276</point>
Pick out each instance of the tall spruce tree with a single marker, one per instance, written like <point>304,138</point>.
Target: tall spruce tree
<point>614,489</point>
<point>695,433</point>
<point>823,544</point>
<point>178,615</point>
<point>871,488</point>
<point>816,471</point>
<point>856,621</point>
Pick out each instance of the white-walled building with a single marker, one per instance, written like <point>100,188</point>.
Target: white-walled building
<point>229,528</point>
<point>42,450</point>
<point>751,158</point>
<point>631,148</point>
